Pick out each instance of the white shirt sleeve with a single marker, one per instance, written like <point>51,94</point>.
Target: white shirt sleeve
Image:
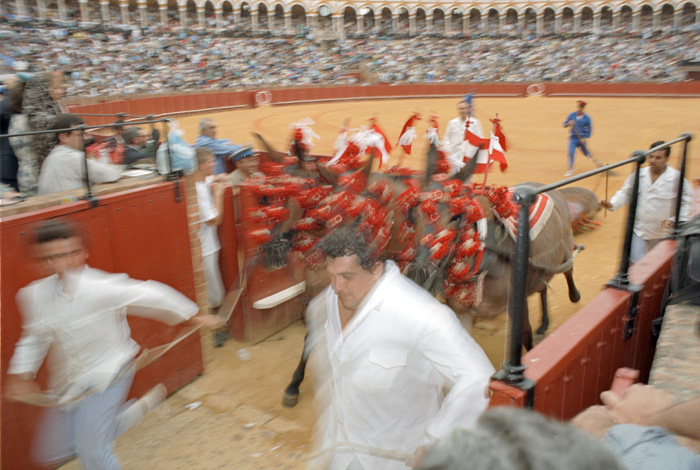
<point>622,196</point>
<point>33,345</point>
<point>465,366</point>
<point>101,172</point>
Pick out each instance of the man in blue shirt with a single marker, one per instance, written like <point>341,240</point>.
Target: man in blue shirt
<point>221,148</point>
<point>581,127</point>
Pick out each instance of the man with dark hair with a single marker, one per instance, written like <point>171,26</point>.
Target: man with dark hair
<point>399,369</point>
<point>656,206</point>
<point>64,168</point>
<point>78,314</point>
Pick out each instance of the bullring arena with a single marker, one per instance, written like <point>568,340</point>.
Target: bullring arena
<point>231,415</point>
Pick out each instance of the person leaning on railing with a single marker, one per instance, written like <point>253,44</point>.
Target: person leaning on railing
<point>658,190</point>
<point>64,168</point>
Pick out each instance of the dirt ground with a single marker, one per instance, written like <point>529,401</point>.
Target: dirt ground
<point>237,421</point>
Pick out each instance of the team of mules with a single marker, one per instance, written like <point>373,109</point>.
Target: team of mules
<point>454,238</point>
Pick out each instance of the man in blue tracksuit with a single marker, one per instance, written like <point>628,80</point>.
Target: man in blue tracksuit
<point>581,127</point>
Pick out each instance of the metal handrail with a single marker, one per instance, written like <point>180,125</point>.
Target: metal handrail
<point>512,371</point>
<point>172,175</point>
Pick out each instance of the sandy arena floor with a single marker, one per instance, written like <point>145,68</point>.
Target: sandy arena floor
<point>237,421</point>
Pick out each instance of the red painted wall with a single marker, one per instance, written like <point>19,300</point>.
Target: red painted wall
<point>578,360</point>
<point>141,232</point>
<point>198,102</point>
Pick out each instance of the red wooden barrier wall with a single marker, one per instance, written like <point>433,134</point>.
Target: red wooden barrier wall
<point>578,360</point>
<point>142,232</point>
<point>199,102</point>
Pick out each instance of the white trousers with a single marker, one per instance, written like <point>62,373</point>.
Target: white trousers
<point>640,247</point>
<point>87,429</point>
<point>212,277</point>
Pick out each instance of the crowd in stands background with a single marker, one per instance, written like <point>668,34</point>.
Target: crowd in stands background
<point>135,61</point>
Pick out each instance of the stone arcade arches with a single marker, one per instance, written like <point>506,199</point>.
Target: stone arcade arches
<point>381,17</point>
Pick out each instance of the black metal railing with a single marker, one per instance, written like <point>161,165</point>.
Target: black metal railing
<point>119,123</point>
<point>512,371</point>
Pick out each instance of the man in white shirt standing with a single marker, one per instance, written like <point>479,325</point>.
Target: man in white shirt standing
<point>394,365</point>
<point>656,206</point>
<point>459,149</point>
<point>64,167</point>
<point>77,315</point>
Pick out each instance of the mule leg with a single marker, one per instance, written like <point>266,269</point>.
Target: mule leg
<point>574,294</point>
<point>545,312</point>
<point>291,393</point>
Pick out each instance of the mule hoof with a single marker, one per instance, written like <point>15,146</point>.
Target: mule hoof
<point>290,400</point>
<point>575,297</point>
<point>542,330</point>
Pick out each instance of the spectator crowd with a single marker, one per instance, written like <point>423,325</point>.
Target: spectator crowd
<point>144,61</point>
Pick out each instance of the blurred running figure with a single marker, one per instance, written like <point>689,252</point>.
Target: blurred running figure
<point>78,313</point>
<point>581,128</point>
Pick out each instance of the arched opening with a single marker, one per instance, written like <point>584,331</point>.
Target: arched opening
<point>226,14</point>
<point>72,9</point>
<point>325,18</point>
<point>567,20</point>
<point>646,18</point>
<point>494,22</point>
<point>209,15</point>
<point>626,17</point>
<point>606,19</point>
<point>386,22</point>
<point>438,21</point>
<point>474,21</point>
<point>368,22</point>
<point>350,20</point>
<point>587,19</point>
<point>262,16</point>
<point>421,21</point>
<point>279,17</point>
<point>667,13</point>
<point>246,23</point>
<point>457,22</point>
<point>404,21</point>
<point>688,15</point>
<point>511,21</point>
<point>172,12</point>
<point>298,18</point>
<point>191,14</point>
<point>548,21</point>
<point>530,20</point>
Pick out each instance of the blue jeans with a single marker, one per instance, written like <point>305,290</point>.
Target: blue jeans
<point>86,429</point>
<point>575,143</point>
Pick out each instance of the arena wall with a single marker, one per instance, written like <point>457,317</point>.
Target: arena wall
<point>578,360</point>
<point>127,233</point>
<point>196,103</point>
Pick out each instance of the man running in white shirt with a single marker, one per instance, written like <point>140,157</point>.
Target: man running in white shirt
<point>78,313</point>
<point>395,365</point>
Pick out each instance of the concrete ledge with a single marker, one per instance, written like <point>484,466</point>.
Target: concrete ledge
<point>676,367</point>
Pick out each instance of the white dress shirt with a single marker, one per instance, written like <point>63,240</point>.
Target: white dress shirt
<point>208,234</point>
<point>64,169</point>
<point>657,201</point>
<point>453,140</point>
<point>386,374</point>
<point>87,333</point>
